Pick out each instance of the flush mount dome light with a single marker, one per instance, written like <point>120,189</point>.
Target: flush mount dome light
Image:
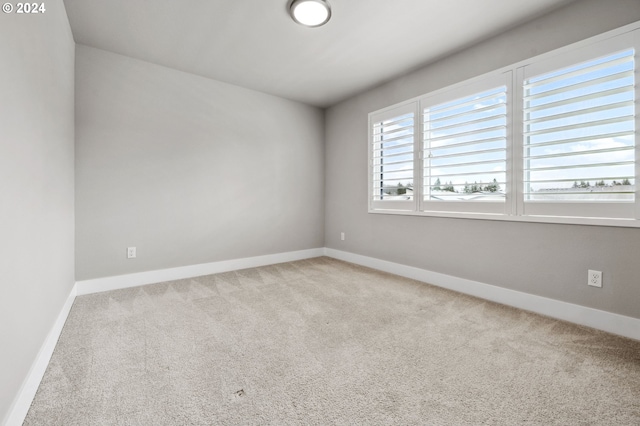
<point>311,13</point>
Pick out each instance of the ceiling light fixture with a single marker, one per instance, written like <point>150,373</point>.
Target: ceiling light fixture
<point>310,13</point>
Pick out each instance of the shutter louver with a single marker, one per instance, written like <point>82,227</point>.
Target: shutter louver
<point>579,127</point>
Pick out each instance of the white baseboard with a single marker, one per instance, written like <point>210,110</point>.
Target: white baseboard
<point>20,407</point>
<point>98,285</point>
<point>594,318</point>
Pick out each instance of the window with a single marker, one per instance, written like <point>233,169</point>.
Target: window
<point>393,158</point>
<point>579,133</point>
<point>551,139</point>
<point>465,147</point>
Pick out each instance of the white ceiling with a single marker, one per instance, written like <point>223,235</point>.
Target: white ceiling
<point>255,44</point>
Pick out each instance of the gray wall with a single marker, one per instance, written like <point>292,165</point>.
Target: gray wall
<point>543,259</point>
<point>36,186</point>
<point>188,170</point>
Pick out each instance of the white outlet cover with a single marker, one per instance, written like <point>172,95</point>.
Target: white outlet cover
<point>594,278</point>
<point>131,252</point>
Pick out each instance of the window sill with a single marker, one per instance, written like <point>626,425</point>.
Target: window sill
<point>564,220</point>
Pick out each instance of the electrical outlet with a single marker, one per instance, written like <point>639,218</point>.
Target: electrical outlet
<point>342,236</point>
<point>131,252</point>
<point>595,278</point>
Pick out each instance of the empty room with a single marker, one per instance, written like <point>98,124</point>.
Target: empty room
<point>323,212</point>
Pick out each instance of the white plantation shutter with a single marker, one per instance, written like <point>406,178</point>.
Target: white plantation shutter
<point>579,148</point>
<point>465,147</point>
<point>550,139</point>
<point>579,131</point>
<point>392,158</point>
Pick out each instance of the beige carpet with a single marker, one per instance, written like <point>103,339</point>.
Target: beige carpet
<point>326,342</point>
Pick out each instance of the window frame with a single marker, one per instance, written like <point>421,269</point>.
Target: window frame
<point>452,93</point>
<point>515,207</point>
<point>382,115</point>
<point>577,55</point>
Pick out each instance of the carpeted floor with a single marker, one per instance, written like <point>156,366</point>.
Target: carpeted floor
<point>325,342</point>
